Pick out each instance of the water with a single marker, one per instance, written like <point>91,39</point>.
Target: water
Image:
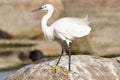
<point>4,74</point>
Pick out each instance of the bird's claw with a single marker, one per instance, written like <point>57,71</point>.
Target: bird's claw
<point>54,69</point>
<point>58,70</point>
<point>66,73</point>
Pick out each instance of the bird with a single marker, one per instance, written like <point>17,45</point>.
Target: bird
<point>65,29</point>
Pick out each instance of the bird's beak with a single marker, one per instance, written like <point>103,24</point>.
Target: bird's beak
<point>37,9</point>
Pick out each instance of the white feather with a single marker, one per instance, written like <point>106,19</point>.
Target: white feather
<point>66,28</point>
<point>69,28</point>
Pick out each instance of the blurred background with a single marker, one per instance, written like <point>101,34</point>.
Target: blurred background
<point>21,39</point>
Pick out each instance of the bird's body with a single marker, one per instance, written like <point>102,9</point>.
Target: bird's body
<point>69,28</point>
<point>66,28</point>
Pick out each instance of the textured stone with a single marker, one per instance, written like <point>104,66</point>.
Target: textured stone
<point>84,68</point>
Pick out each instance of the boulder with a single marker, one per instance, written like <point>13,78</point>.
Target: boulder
<point>84,67</point>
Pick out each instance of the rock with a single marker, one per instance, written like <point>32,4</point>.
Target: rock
<point>9,60</point>
<point>4,35</point>
<point>84,67</point>
<point>36,55</point>
<point>104,15</point>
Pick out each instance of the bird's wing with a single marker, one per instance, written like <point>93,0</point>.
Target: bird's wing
<point>72,30</point>
<point>71,27</point>
<point>82,21</point>
<point>79,30</point>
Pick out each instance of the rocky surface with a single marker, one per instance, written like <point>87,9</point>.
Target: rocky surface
<point>84,67</point>
<point>9,62</point>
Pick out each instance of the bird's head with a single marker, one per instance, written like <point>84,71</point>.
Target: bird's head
<point>44,7</point>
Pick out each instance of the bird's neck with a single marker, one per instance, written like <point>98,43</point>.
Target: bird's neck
<point>45,19</point>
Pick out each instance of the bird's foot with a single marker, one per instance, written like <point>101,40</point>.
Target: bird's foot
<point>54,69</point>
<point>66,73</point>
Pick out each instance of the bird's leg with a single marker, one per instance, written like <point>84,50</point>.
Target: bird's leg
<point>69,58</point>
<point>62,43</point>
<point>69,66</point>
<point>54,69</point>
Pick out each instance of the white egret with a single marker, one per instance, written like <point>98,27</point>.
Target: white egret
<point>66,29</point>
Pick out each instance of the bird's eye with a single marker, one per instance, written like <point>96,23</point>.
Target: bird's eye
<point>45,6</point>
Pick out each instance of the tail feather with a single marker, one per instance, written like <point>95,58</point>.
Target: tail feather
<point>86,19</point>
